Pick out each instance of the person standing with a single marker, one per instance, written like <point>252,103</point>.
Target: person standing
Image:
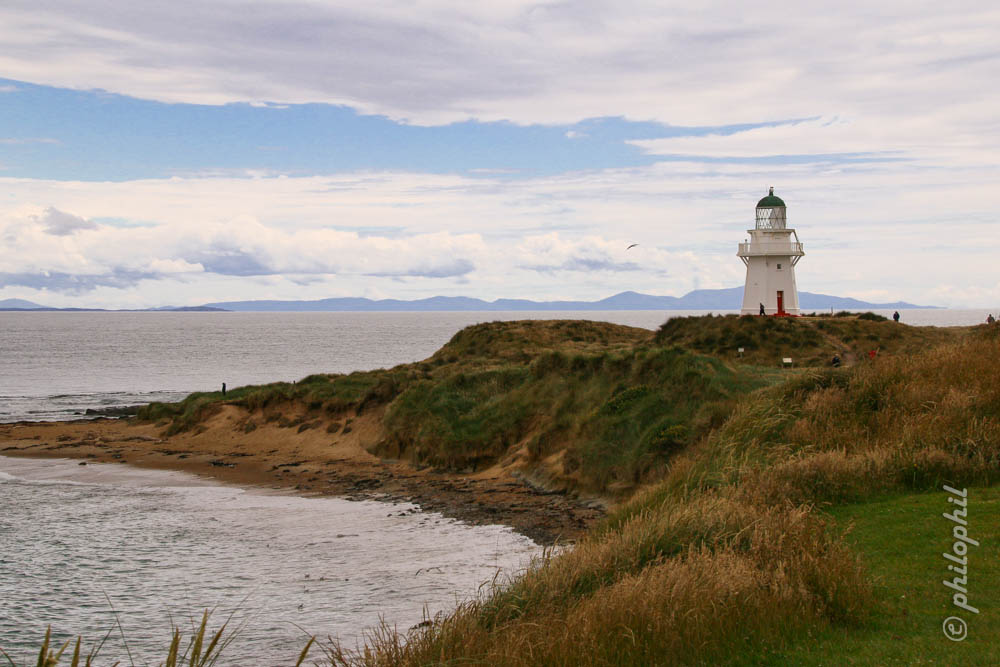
<point>895,316</point>
<point>762,312</point>
<point>223,388</point>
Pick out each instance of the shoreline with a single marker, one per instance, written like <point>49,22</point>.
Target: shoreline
<point>309,463</point>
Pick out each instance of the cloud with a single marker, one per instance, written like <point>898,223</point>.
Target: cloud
<point>829,139</point>
<point>74,284</point>
<point>60,223</point>
<point>552,253</point>
<point>521,60</point>
<point>896,81</point>
<point>865,226</point>
<point>447,269</point>
<point>231,263</point>
<point>42,250</point>
<point>586,264</point>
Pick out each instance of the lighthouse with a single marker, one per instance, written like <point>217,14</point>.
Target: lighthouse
<point>770,256</point>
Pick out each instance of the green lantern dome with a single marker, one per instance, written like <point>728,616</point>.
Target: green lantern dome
<point>770,201</point>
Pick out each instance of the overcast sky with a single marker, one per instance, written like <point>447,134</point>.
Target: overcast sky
<point>186,152</point>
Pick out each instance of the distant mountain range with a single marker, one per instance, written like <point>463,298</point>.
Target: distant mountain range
<point>704,299</point>
<point>21,304</point>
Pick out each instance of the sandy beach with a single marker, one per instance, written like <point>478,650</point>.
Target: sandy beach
<point>327,458</point>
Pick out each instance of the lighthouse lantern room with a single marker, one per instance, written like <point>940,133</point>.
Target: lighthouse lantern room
<point>770,256</point>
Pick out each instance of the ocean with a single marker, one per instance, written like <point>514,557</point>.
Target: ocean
<point>85,548</point>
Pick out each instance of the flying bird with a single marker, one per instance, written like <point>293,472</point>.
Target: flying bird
<point>632,246</point>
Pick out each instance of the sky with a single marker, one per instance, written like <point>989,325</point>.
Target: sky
<point>181,153</point>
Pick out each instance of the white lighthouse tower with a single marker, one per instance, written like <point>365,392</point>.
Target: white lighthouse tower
<point>770,257</point>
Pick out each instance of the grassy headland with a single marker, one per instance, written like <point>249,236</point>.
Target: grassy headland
<point>732,480</point>
<point>732,558</point>
<point>588,407</point>
<point>583,406</point>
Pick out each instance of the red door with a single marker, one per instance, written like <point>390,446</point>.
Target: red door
<point>781,302</point>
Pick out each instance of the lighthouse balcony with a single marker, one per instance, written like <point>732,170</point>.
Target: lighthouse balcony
<point>761,249</point>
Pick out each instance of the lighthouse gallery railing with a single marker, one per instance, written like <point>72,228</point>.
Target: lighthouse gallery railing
<point>790,248</point>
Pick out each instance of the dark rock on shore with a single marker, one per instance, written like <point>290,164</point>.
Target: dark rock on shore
<point>114,411</point>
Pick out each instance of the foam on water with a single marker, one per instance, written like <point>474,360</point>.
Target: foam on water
<point>165,545</point>
<point>65,407</point>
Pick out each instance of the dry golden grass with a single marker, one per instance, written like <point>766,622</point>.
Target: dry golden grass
<point>907,422</point>
<point>678,584</point>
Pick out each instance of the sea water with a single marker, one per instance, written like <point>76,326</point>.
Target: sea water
<point>86,548</point>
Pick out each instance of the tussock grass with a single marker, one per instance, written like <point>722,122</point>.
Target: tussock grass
<point>905,422</point>
<point>474,349</point>
<point>320,394</point>
<point>616,418</point>
<point>203,648</point>
<point>687,585</point>
<point>810,341</point>
<point>523,340</point>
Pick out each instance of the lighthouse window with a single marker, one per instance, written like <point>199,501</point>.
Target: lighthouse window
<point>779,267</point>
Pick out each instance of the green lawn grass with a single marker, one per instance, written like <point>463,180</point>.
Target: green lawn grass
<point>901,540</point>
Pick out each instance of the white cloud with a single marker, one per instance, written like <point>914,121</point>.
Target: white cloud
<point>869,138</point>
<point>917,233</point>
<point>436,61</point>
<point>42,249</point>
<point>911,82</point>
